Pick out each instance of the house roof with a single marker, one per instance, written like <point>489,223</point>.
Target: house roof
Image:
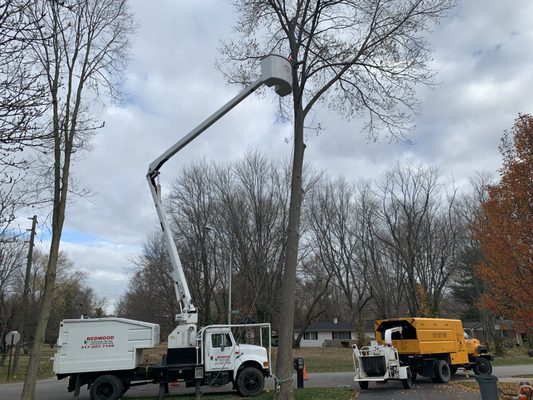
<point>479,325</point>
<point>472,325</point>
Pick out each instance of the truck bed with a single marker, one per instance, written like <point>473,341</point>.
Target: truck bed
<point>102,344</point>
<point>424,335</point>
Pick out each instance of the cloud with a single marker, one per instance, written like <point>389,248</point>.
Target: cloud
<point>482,56</point>
<point>107,264</point>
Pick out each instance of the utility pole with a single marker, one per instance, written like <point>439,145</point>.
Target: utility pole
<point>229,276</point>
<point>230,267</point>
<point>22,328</point>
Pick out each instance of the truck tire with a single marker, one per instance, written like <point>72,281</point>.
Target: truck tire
<point>482,367</point>
<point>125,386</point>
<point>106,387</point>
<point>442,372</point>
<point>408,383</point>
<point>414,376</point>
<point>363,385</point>
<point>250,382</point>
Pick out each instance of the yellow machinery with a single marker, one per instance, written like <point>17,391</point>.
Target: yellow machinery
<point>435,347</point>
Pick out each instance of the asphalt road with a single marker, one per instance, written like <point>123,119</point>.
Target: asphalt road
<point>52,389</point>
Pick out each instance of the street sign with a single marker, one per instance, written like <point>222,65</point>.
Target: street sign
<point>235,311</point>
<point>12,338</point>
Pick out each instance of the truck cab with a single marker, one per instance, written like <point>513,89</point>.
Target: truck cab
<point>218,359</point>
<point>225,360</point>
<point>474,348</point>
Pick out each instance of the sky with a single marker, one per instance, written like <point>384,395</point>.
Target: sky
<point>483,56</point>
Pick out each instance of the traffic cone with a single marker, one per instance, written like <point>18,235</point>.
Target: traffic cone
<point>305,374</point>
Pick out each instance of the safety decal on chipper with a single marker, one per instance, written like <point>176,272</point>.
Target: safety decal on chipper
<point>98,342</point>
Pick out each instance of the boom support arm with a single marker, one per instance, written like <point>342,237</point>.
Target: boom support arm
<point>275,71</point>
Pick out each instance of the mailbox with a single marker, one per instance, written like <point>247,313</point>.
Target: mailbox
<point>299,367</point>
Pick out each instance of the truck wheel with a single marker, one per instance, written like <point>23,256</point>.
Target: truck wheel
<point>482,367</point>
<point>125,386</point>
<point>250,382</point>
<point>363,385</point>
<point>408,383</point>
<point>106,387</point>
<point>442,372</point>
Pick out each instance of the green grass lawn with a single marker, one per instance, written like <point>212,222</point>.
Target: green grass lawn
<point>340,360</point>
<point>326,359</point>
<point>45,366</point>
<point>316,360</point>
<point>301,394</point>
<point>320,359</point>
<point>513,356</point>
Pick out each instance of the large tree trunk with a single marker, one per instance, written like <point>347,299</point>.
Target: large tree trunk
<point>286,319</point>
<point>33,367</point>
<point>58,218</point>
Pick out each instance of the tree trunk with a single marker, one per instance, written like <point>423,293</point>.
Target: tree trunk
<point>286,319</point>
<point>60,190</point>
<point>28,391</point>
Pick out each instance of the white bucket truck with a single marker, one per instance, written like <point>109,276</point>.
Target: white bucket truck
<point>107,353</point>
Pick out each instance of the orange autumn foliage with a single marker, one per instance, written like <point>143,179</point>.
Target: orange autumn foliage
<point>505,230</point>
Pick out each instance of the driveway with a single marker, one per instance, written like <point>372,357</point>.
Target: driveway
<point>424,389</point>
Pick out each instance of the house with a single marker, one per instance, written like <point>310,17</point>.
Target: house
<point>332,333</point>
<point>502,327</point>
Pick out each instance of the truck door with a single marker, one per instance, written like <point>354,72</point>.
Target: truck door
<point>220,351</point>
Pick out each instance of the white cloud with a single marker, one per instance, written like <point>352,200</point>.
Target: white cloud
<point>482,54</point>
<point>106,264</point>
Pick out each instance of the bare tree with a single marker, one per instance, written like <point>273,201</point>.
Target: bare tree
<point>358,57</point>
<point>82,46</point>
<point>22,96</point>
<point>231,219</point>
<point>22,103</point>
<point>194,206</point>
<point>257,218</point>
<point>422,233</point>
<point>71,299</point>
<point>336,227</point>
<point>385,276</point>
<point>11,260</point>
<point>443,241</point>
<point>312,289</point>
<point>150,295</point>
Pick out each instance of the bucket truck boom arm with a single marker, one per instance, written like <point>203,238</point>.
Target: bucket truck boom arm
<point>275,71</point>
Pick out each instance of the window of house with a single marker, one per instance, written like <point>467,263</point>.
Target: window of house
<point>342,335</point>
<point>310,335</point>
